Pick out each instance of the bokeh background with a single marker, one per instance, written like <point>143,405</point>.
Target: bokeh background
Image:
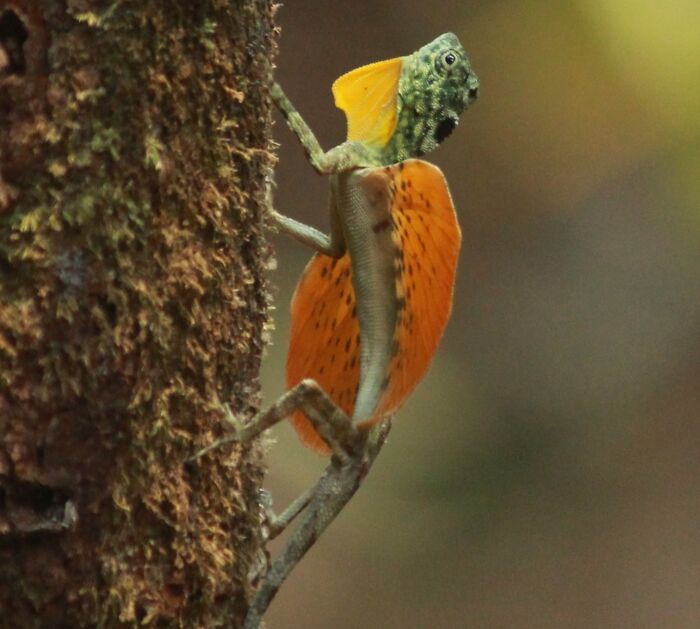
<point>546,473</point>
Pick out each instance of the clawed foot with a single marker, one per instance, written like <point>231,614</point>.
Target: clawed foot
<point>234,424</point>
<point>353,451</point>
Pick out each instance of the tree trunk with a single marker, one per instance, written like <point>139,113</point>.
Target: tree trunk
<point>134,155</point>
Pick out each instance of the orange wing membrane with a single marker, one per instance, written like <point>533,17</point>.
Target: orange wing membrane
<point>325,334</point>
<point>325,338</point>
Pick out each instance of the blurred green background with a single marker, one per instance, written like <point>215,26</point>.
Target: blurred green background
<point>546,473</point>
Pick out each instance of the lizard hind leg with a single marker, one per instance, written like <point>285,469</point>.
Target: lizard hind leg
<point>327,419</point>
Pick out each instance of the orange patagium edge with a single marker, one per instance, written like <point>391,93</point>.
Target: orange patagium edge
<point>373,302</point>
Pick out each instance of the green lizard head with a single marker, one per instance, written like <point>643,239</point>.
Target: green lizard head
<point>404,107</point>
<point>436,85</point>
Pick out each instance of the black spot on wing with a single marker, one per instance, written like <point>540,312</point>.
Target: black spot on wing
<point>381,225</point>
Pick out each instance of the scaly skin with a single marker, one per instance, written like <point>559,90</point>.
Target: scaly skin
<point>432,96</point>
<point>436,84</point>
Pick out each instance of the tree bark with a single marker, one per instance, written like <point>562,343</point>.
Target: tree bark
<point>134,160</point>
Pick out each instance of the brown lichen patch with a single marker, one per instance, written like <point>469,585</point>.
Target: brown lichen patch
<point>132,300</point>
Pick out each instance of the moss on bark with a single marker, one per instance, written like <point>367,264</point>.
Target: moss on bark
<point>134,156</point>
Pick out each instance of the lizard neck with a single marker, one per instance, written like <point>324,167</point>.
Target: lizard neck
<point>353,155</point>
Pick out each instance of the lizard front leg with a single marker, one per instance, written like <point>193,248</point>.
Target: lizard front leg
<point>332,244</point>
<point>321,161</point>
<point>346,156</point>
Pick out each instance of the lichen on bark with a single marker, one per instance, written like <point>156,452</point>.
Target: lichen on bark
<point>134,160</point>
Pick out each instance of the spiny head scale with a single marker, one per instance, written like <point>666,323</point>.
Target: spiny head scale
<point>437,84</point>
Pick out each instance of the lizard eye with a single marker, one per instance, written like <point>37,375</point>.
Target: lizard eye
<point>445,60</point>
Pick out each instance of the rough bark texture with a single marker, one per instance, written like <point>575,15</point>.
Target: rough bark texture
<point>134,141</point>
